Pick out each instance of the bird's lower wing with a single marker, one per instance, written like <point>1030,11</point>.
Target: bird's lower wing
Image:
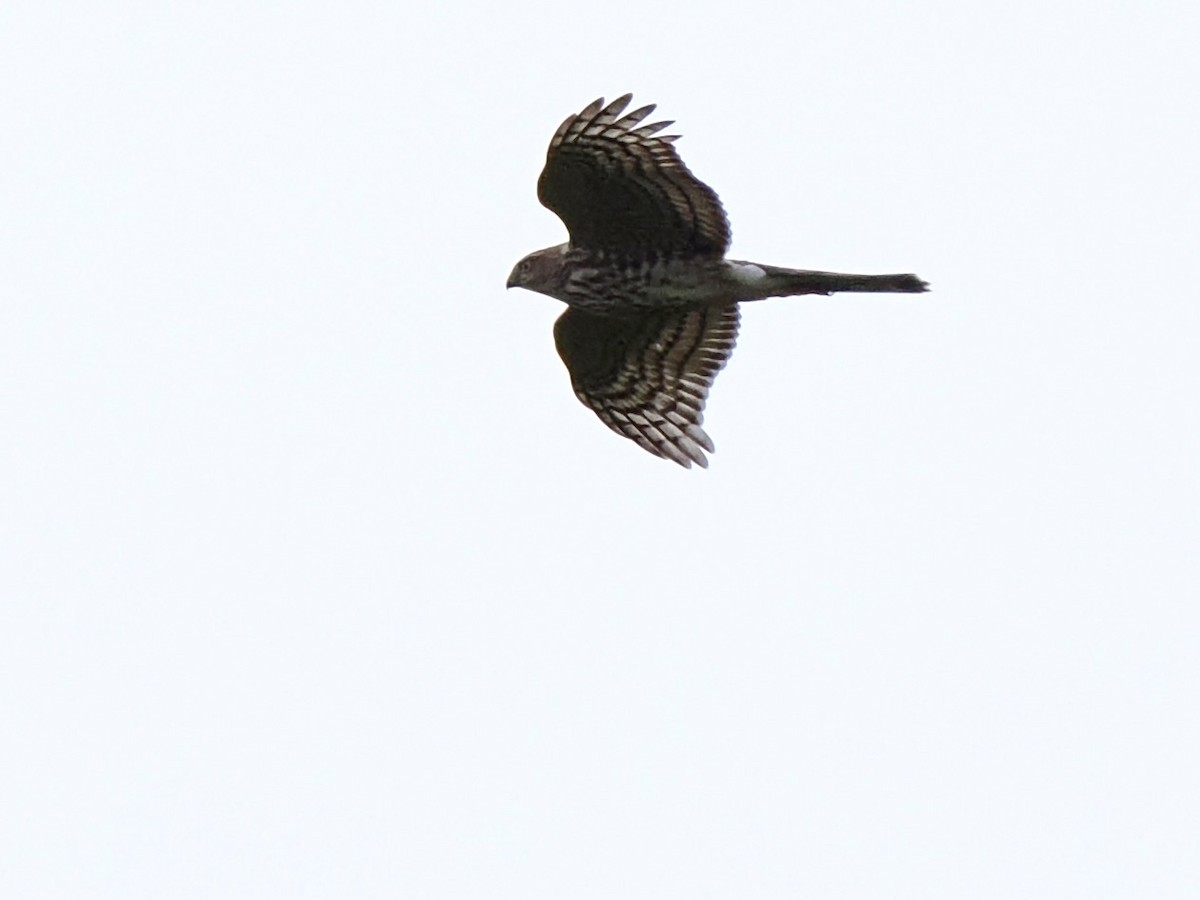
<point>647,376</point>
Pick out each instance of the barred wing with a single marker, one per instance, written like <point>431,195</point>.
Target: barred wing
<point>647,377</point>
<point>620,187</point>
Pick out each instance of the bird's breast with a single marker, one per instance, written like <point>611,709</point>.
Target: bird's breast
<point>612,286</point>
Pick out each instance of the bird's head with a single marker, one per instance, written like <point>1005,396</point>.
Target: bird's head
<point>542,271</point>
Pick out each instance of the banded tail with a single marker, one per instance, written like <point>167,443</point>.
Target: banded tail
<point>787,282</point>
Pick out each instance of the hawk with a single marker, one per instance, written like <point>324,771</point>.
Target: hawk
<point>652,302</point>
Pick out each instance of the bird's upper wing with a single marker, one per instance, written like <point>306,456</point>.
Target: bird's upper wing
<point>647,376</point>
<point>620,187</point>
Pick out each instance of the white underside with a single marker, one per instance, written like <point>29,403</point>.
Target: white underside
<point>747,273</point>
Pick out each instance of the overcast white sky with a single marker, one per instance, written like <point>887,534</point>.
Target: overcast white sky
<point>316,580</point>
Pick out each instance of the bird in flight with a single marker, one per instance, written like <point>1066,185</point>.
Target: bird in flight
<point>652,302</point>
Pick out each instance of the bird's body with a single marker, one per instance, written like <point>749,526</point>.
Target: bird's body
<point>608,284</point>
<point>652,301</point>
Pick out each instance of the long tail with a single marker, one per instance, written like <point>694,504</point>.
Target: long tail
<point>786,282</point>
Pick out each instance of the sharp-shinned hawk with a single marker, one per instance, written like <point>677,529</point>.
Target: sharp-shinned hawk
<point>652,303</point>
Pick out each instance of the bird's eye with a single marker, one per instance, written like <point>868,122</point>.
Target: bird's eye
<point>526,265</point>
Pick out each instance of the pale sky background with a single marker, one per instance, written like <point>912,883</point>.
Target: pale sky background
<point>318,582</point>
